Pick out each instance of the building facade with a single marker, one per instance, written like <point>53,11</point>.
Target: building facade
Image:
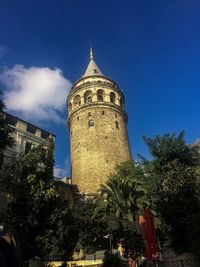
<point>26,136</point>
<point>98,134</point>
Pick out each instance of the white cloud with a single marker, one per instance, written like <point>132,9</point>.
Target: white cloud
<point>62,172</point>
<point>37,93</point>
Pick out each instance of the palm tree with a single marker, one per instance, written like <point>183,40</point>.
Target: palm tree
<point>121,197</point>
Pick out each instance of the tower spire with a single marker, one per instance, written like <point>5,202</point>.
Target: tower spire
<point>92,68</point>
<point>91,53</point>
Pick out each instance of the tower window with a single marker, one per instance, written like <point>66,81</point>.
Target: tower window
<point>89,114</point>
<point>77,101</point>
<point>77,118</point>
<point>115,115</point>
<point>117,124</point>
<point>91,123</point>
<point>103,112</point>
<point>100,95</point>
<point>70,106</point>
<point>95,70</point>
<point>112,97</point>
<point>121,102</point>
<point>89,99</point>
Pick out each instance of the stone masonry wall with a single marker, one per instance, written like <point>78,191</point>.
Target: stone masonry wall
<point>99,142</point>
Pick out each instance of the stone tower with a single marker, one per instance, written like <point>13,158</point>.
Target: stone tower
<point>98,134</point>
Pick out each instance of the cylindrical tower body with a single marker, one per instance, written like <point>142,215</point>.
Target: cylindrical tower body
<point>98,133</point>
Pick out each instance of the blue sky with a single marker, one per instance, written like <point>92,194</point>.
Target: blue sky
<point>150,48</point>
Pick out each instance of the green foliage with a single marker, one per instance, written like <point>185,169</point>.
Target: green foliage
<point>168,147</point>
<point>37,216</point>
<point>90,230</point>
<point>6,139</point>
<point>122,195</point>
<point>122,198</point>
<point>60,237</point>
<point>175,190</point>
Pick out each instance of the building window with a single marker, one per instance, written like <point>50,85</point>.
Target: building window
<point>91,123</point>
<point>115,115</point>
<point>44,134</point>
<point>28,147</point>
<point>77,118</point>
<point>117,124</point>
<point>103,112</point>
<point>31,129</point>
<point>11,120</point>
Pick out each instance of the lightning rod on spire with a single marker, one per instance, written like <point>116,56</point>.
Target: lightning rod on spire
<point>91,54</point>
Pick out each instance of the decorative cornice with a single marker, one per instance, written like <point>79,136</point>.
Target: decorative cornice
<point>102,104</point>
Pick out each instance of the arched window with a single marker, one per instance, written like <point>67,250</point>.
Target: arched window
<point>121,102</point>
<point>100,95</point>
<point>88,97</point>
<point>77,101</point>
<point>70,106</point>
<point>91,123</point>
<point>112,97</point>
<point>117,124</point>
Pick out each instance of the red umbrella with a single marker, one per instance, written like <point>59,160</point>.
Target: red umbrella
<point>152,250</point>
<point>143,229</point>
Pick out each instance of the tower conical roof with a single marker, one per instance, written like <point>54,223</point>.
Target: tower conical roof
<point>92,68</point>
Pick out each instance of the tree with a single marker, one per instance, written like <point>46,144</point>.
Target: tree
<point>123,195</point>
<point>110,214</point>
<point>59,238</point>
<point>38,217</point>
<point>122,198</point>
<point>6,139</point>
<point>91,231</point>
<point>34,195</point>
<point>175,191</point>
